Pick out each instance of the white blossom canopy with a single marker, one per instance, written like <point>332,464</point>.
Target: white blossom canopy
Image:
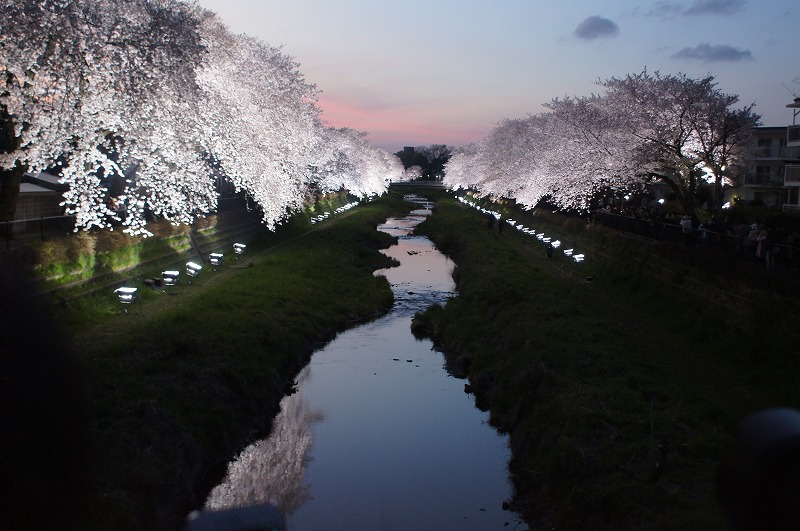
<point>144,103</point>
<point>645,126</point>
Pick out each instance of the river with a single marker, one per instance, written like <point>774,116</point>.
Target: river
<point>378,434</point>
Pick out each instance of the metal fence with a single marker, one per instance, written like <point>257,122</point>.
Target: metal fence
<point>16,233</point>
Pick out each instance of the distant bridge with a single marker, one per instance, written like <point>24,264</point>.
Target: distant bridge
<point>419,184</point>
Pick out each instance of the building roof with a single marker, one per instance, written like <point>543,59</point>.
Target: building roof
<point>28,188</point>
<point>44,177</point>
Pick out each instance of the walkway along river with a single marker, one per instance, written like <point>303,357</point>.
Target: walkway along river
<point>378,435</point>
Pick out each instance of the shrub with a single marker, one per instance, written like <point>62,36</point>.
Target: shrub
<point>165,229</point>
<point>206,223</point>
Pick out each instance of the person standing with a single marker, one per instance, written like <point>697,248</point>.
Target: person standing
<point>761,244</point>
<point>686,229</point>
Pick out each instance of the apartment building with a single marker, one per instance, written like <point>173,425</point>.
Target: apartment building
<point>773,177</point>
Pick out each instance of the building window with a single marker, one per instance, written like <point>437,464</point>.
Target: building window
<point>765,146</point>
<point>762,174</point>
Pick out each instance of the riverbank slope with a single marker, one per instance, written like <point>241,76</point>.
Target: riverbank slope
<point>130,418</point>
<point>620,394</point>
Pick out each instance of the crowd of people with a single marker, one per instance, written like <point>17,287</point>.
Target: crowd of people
<point>771,244</point>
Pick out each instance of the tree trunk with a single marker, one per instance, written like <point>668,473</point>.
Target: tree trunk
<point>9,179</point>
<point>684,194</point>
<point>9,191</point>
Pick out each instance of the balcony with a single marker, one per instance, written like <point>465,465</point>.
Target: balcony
<point>764,180</point>
<point>793,136</point>
<point>792,175</point>
<point>790,153</point>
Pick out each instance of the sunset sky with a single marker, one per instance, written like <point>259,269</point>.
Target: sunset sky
<point>418,72</point>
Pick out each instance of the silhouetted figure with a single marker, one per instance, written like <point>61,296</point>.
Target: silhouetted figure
<point>489,221</point>
<point>758,482</point>
<point>43,446</point>
<point>500,223</point>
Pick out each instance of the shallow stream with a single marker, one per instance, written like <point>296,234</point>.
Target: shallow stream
<point>378,434</point>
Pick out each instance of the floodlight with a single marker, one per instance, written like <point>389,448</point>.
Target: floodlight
<point>193,269</point>
<point>170,277</point>
<point>215,259</point>
<point>239,248</point>
<point>126,296</point>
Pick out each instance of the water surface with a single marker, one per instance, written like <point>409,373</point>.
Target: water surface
<point>379,436</point>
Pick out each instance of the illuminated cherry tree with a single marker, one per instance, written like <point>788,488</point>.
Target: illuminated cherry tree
<point>86,84</point>
<point>682,131</point>
<point>259,119</point>
<point>644,127</point>
<point>160,98</point>
<point>347,161</point>
<point>78,76</point>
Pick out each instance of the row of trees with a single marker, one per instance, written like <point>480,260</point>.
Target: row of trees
<point>160,95</point>
<point>642,128</point>
<point>426,162</point>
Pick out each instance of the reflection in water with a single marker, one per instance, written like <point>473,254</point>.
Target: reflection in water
<point>397,444</point>
<point>271,470</point>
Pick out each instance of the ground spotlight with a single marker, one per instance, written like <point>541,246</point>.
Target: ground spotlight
<point>239,248</point>
<point>127,296</point>
<point>193,269</point>
<point>215,259</point>
<point>170,277</point>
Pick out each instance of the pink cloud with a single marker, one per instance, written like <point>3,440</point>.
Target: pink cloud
<point>392,127</point>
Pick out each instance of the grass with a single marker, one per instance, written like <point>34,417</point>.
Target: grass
<point>620,395</point>
<point>175,388</point>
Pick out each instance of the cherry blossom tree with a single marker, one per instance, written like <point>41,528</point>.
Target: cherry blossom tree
<point>349,162</point>
<point>645,127</point>
<point>259,119</point>
<point>681,130</point>
<point>87,82</point>
<point>412,173</point>
<point>160,96</point>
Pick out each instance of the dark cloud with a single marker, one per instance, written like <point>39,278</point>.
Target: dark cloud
<point>712,54</point>
<point>596,27</point>
<point>666,9</point>
<point>670,9</point>
<point>715,7</point>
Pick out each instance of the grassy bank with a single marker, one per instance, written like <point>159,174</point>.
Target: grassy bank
<point>620,395</point>
<point>170,392</point>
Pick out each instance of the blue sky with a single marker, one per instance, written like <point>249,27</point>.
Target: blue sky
<point>445,72</point>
